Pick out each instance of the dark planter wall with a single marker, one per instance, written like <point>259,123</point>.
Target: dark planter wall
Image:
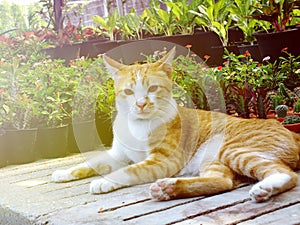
<point>17,146</point>
<point>271,44</point>
<point>52,142</point>
<point>252,49</point>
<point>66,52</point>
<point>202,44</point>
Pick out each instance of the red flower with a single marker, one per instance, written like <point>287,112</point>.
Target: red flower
<point>247,53</point>
<point>284,49</point>
<point>206,57</point>
<point>38,87</point>
<point>220,68</point>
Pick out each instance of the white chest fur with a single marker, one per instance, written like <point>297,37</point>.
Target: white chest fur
<point>132,137</point>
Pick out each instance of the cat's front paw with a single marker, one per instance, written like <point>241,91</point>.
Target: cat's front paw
<point>261,192</point>
<point>102,186</point>
<point>59,176</point>
<point>163,189</point>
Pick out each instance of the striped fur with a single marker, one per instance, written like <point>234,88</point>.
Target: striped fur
<point>156,140</point>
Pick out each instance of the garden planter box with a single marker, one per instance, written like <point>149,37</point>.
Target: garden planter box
<point>136,51</point>
<point>252,49</point>
<point>83,136</point>
<point>17,146</point>
<point>93,48</point>
<point>66,52</point>
<point>104,128</point>
<point>272,44</point>
<point>52,142</point>
<point>201,43</point>
<point>235,35</point>
<point>218,53</point>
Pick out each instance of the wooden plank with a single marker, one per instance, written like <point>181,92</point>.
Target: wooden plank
<point>247,210</point>
<point>288,215</point>
<point>146,211</point>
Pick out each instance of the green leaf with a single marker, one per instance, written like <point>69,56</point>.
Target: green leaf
<point>175,8</point>
<point>163,15</point>
<point>99,21</point>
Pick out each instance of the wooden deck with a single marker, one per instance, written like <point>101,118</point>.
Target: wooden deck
<point>27,196</point>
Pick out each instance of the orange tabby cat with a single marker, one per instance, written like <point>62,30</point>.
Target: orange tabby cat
<point>154,138</point>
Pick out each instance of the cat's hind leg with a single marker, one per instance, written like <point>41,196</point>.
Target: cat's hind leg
<point>276,180</point>
<point>217,178</point>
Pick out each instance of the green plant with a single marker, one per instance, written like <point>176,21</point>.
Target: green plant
<point>106,95</point>
<point>159,21</point>
<point>12,17</point>
<point>26,48</point>
<point>289,66</point>
<point>90,87</point>
<point>281,111</point>
<point>108,25</point>
<point>297,106</point>
<point>291,119</point>
<point>17,109</point>
<point>53,86</point>
<point>35,19</point>
<point>214,16</point>
<point>276,100</point>
<point>131,25</point>
<point>277,12</point>
<point>240,12</point>
<point>185,20</point>
<point>286,94</point>
<point>189,79</point>
<point>245,85</point>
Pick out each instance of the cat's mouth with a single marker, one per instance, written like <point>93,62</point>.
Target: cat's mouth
<point>144,110</point>
<point>143,113</point>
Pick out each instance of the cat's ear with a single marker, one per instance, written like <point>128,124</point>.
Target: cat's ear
<point>165,63</point>
<point>112,66</point>
<point>168,58</point>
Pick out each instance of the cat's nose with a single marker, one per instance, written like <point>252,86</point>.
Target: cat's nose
<point>141,105</point>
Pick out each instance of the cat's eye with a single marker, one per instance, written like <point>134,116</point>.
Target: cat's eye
<point>153,88</point>
<point>128,92</point>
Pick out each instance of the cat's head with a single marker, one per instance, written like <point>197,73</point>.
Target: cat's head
<point>143,91</point>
